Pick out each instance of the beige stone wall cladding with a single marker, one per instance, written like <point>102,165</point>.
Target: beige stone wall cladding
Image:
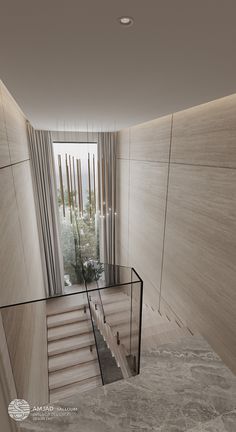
<point>177,212</point>
<point>21,278</point>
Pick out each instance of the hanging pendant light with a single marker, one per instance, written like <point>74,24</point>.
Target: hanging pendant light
<point>71,183</point>
<point>61,184</point>
<point>81,189</point>
<point>74,182</point>
<point>94,183</point>
<point>68,186</point>
<point>89,185</point>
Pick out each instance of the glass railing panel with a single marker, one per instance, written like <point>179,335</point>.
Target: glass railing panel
<point>27,297</point>
<point>52,348</point>
<point>136,321</point>
<point>72,342</point>
<point>105,340</point>
<point>96,276</point>
<point>108,307</point>
<point>118,305</point>
<point>25,352</point>
<point>76,288</point>
<point>102,275</point>
<point>117,310</point>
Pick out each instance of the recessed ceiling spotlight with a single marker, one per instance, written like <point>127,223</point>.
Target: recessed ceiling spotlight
<point>126,21</point>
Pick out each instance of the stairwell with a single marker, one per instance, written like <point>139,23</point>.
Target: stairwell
<point>73,362</point>
<point>161,328</point>
<point>72,357</point>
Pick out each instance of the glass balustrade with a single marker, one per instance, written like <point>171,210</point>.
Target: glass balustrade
<point>88,336</point>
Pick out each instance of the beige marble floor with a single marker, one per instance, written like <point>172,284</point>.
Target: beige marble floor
<point>183,387</point>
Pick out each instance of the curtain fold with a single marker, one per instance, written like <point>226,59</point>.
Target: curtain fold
<point>43,173</point>
<point>107,195</point>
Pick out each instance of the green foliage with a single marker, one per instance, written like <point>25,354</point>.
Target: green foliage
<point>92,271</point>
<point>80,243</point>
<point>66,197</point>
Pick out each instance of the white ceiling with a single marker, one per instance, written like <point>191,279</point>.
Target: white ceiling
<point>69,63</point>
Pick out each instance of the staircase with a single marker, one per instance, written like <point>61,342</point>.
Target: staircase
<point>103,310</point>
<point>161,328</point>
<point>117,309</point>
<point>72,357</point>
<point>72,352</point>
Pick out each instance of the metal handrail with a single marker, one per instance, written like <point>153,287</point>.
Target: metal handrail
<point>94,335</point>
<point>101,303</point>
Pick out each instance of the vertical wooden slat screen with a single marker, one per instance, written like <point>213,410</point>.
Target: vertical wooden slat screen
<point>68,186</point>
<point>61,184</point>
<point>89,185</point>
<point>71,183</point>
<point>74,182</point>
<point>78,186</point>
<point>94,183</point>
<point>99,186</point>
<point>81,188</point>
<point>106,194</point>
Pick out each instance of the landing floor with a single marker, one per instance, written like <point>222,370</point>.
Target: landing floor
<point>183,387</point>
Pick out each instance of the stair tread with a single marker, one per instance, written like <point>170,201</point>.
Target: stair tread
<point>73,374</point>
<point>71,389</point>
<point>66,303</point>
<point>116,307</point>
<point>66,318</point>
<point>160,327</point>
<point>152,340</point>
<point>70,343</point>
<point>72,358</point>
<point>124,329</point>
<point>68,330</point>
<point>125,341</point>
<point>111,298</point>
<point>119,318</point>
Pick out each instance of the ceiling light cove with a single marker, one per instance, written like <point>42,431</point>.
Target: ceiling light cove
<point>126,21</point>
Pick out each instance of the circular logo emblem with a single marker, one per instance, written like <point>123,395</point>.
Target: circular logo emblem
<point>18,409</point>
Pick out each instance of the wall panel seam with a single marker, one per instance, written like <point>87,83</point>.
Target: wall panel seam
<point>149,161</point>
<point>10,359</point>
<point>128,251</point>
<point>145,160</point>
<point>165,216</point>
<point>17,205</point>
<point>5,122</point>
<point>202,165</point>
<point>20,225</point>
<point>15,163</point>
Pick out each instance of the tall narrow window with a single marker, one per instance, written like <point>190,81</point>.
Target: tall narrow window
<point>76,175</point>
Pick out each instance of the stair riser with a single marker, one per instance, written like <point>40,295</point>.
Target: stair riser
<point>76,376</point>
<point>67,321</point>
<point>57,363</point>
<point>68,334</point>
<point>71,348</point>
<point>67,391</point>
<point>64,309</point>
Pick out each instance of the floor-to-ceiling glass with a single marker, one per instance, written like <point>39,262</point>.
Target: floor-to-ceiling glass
<point>76,174</point>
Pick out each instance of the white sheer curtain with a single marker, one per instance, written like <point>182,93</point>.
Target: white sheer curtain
<point>107,195</point>
<point>43,172</point>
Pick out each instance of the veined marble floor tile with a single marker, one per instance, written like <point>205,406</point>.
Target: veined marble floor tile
<point>225,423</point>
<point>215,425</point>
<point>183,387</point>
